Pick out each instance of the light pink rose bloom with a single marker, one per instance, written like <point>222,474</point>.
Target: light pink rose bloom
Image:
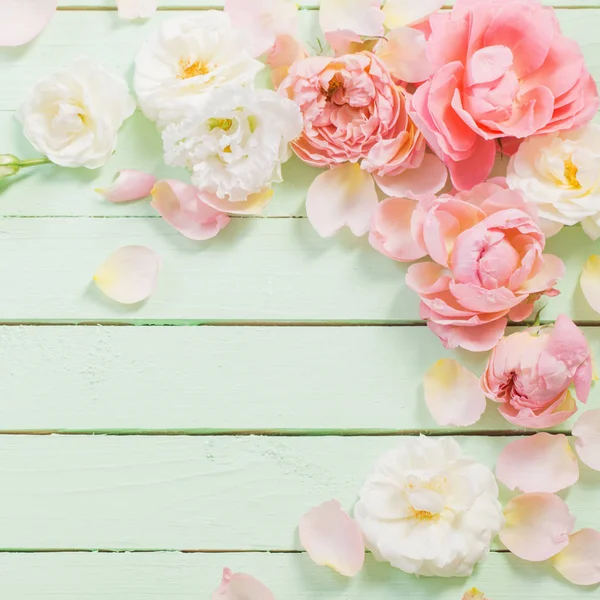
<point>488,264</point>
<point>529,373</point>
<point>502,68</point>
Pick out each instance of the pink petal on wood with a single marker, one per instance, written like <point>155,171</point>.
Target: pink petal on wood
<point>342,196</point>
<point>590,281</point>
<point>587,433</point>
<point>129,275</point>
<point>429,178</point>
<point>252,205</point>
<point>453,394</point>
<point>239,586</point>
<point>23,20</point>
<point>129,185</point>
<point>363,17</point>
<point>537,526</point>
<point>579,562</point>
<point>332,538</point>
<point>474,594</point>
<point>540,463</point>
<point>136,9</point>
<point>182,206</point>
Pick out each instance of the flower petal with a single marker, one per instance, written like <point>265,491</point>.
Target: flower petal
<point>136,9</point>
<point>252,205</point>
<point>474,594</point>
<point>590,281</point>
<point>182,206</point>
<point>363,17</point>
<point>587,432</point>
<point>399,13</point>
<point>453,394</point>
<point>239,586</point>
<point>332,538</point>
<point>285,52</point>
<point>23,20</point>
<point>129,275</point>
<point>129,185</point>
<point>540,463</point>
<point>404,52</point>
<point>344,195</point>
<point>579,562</point>
<point>537,526</point>
<point>429,178</point>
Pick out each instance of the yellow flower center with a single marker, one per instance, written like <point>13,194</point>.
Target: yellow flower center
<point>189,69</point>
<point>425,515</point>
<point>571,174</point>
<point>224,124</point>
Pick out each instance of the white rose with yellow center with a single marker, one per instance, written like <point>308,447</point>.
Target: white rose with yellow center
<point>187,57</point>
<point>560,173</point>
<point>429,510</point>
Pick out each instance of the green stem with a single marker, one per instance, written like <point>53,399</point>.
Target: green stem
<point>34,162</point>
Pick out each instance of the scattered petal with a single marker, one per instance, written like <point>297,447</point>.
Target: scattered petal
<point>590,281</point>
<point>344,195</point>
<point>453,394</point>
<point>129,185</point>
<point>23,20</point>
<point>182,207</point>
<point>363,17</point>
<point>404,52</point>
<point>474,594</point>
<point>284,53</point>
<point>136,9</point>
<point>428,178</point>
<point>239,586</point>
<point>537,526</point>
<point>540,463</point>
<point>579,562</point>
<point>399,13</point>
<point>344,41</point>
<point>129,275</point>
<point>332,538</point>
<point>252,205</point>
<point>587,432</point>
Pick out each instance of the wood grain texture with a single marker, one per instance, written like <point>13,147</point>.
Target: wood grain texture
<point>114,43</point>
<point>290,576</point>
<point>202,493</point>
<point>205,379</point>
<point>257,269</point>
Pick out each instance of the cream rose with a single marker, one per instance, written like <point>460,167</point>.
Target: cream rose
<point>187,57</point>
<point>560,173</point>
<point>73,116</point>
<point>429,510</point>
<point>234,142</point>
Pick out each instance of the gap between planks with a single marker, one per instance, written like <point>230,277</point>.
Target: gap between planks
<point>156,550</point>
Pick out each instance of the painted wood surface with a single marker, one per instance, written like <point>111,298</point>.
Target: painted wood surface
<point>218,379</point>
<point>158,576</point>
<point>194,493</point>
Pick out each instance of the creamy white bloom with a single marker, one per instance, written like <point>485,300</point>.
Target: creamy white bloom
<point>187,57</point>
<point>560,173</point>
<point>235,141</point>
<point>429,510</point>
<point>73,116</point>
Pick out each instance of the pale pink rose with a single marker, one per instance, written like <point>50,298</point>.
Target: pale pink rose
<point>489,264</point>
<point>502,68</point>
<point>284,53</point>
<point>530,372</point>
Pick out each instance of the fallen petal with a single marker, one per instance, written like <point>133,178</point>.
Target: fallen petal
<point>284,53</point>
<point>239,586</point>
<point>474,594</point>
<point>587,433</point>
<point>129,275</point>
<point>136,9</point>
<point>332,538</point>
<point>404,52</point>
<point>252,205</point>
<point>129,185</point>
<point>23,20</point>
<point>429,178</point>
<point>590,282</point>
<point>453,394</point>
<point>363,17</point>
<point>540,463</point>
<point>579,562</point>
<point>342,196</point>
<point>537,526</point>
<point>399,13</point>
<point>182,206</point>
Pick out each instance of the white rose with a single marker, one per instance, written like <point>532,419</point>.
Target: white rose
<point>429,510</point>
<point>73,117</point>
<point>189,56</point>
<point>560,173</point>
<point>234,141</point>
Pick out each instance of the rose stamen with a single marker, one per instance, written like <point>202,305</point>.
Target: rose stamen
<point>425,515</point>
<point>335,84</point>
<point>571,175</point>
<point>189,69</point>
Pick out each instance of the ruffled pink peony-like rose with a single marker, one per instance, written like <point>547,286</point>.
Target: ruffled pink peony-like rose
<point>530,372</point>
<point>502,69</point>
<point>488,265</point>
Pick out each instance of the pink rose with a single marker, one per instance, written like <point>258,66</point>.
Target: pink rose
<point>488,264</point>
<point>502,68</point>
<point>529,373</point>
